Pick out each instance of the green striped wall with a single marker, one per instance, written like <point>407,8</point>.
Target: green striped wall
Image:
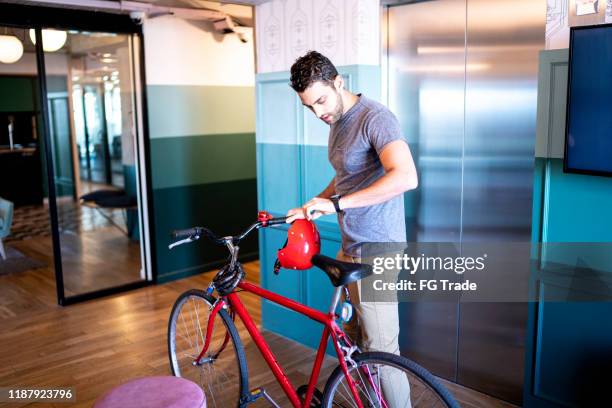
<point>202,159</point>
<point>203,171</point>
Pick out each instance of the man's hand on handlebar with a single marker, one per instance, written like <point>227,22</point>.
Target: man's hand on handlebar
<point>312,210</point>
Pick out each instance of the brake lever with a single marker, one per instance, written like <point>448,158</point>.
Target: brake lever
<point>182,241</point>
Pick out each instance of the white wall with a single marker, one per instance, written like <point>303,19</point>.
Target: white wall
<point>346,31</point>
<point>181,52</point>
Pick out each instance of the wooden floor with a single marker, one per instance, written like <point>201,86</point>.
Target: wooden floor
<point>86,256</point>
<point>88,242</point>
<point>35,220</point>
<point>96,345</point>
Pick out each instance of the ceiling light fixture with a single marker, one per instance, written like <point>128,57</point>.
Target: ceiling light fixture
<point>53,40</point>
<point>11,49</point>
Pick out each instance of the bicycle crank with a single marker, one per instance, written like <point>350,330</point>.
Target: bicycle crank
<point>317,396</point>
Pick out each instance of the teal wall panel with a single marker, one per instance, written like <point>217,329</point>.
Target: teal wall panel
<point>574,355</point>
<point>278,169</point>
<point>568,348</point>
<point>583,202</point>
<point>278,110</point>
<point>193,160</point>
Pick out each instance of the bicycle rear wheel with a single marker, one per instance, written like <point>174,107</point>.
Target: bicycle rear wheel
<point>385,380</point>
<point>222,372</point>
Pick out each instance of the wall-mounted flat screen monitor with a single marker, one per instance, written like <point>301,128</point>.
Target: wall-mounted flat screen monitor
<point>588,136</point>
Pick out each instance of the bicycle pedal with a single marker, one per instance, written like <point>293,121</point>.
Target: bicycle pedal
<point>256,394</point>
<point>251,397</point>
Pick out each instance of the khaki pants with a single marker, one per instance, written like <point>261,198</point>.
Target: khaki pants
<point>375,327</point>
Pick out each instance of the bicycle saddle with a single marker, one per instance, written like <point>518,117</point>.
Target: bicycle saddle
<point>341,273</point>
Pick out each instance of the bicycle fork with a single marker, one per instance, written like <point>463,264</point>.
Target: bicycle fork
<point>209,330</point>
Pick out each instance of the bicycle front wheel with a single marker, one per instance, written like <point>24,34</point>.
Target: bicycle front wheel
<point>222,371</point>
<point>385,380</point>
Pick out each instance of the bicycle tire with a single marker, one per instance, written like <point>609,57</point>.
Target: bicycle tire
<point>229,325</point>
<point>403,363</point>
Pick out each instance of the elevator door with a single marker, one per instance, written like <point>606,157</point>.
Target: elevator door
<point>463,84</point>
<point>426,91</point>
<point>503,41</point>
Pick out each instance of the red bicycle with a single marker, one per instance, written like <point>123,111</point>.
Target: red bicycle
<point>204,344</point>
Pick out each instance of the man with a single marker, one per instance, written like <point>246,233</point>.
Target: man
<point>374,167</point>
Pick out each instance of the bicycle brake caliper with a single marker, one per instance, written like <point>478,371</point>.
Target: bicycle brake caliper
<point>348,354</point>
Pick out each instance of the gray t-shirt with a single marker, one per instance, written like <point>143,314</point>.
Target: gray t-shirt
<point>355,143</point>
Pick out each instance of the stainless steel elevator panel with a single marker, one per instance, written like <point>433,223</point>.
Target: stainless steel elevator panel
<point>462,80</point>
<point>503,40</point>
<point>426,91</point>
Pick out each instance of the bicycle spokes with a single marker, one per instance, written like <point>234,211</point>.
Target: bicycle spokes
<point>202,350</point>
<point>367,381</point>
<point>372,382</point>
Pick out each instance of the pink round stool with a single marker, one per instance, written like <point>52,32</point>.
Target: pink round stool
<point>154,392</point>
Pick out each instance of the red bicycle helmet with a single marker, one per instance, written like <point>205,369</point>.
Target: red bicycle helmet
<point>302,243</point>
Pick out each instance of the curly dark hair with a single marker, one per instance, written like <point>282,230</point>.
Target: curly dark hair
<point>311,68</point>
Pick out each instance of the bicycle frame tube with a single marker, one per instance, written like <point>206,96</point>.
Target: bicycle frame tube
<point>330,329</point>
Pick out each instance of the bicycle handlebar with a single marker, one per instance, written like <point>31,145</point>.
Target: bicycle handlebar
<point>194,233</point>
<point>278,220</point>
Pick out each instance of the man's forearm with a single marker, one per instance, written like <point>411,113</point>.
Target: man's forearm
<point>330,190</point>
<point>388,186</point>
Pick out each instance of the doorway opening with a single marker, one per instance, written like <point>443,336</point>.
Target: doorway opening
<point>75,130</point>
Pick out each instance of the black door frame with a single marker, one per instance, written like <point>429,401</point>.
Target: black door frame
<point>39,17</point>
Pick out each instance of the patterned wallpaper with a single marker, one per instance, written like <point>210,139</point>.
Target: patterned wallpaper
<point>557,28</point>
<point>346,31</point>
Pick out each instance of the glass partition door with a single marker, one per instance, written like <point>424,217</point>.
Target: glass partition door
<point>92,122</point>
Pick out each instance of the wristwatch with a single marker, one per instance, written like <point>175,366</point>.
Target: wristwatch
<point>336,200</point>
